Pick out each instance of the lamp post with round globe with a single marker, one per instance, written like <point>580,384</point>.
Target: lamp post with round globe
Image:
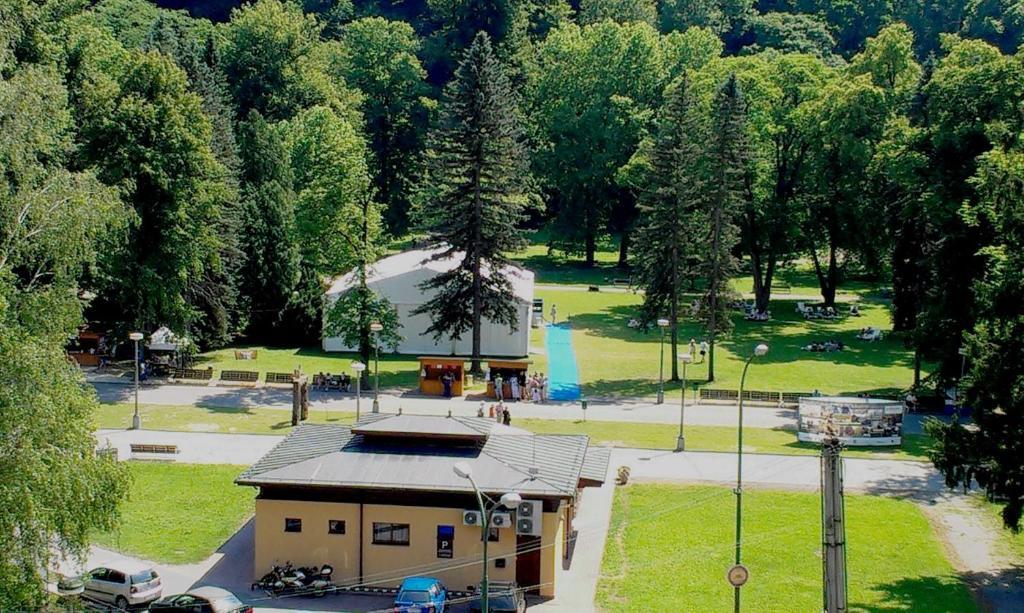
<point>738,573</point>
<point>686,358</point>
<point>508,501</point>
<point>376,328</point>
<point>136,418</point>
<point>358,368</point>
<point>663,324</point>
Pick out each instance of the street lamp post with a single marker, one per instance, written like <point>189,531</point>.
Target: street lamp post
<point>136,418</point>
<point>376,328</point>
<point>686,358</point>
<point>358,367</point>
<point>663,324</point>
<point>509,501</point>
<point>737,579</point>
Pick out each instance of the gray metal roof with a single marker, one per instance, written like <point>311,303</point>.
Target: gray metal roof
<point>595,464</point>
<point>325,455</point>
<point>420,425</point>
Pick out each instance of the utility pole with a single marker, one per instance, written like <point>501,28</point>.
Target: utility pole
<point>833,526</point>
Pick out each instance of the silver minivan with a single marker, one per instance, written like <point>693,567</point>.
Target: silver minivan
<point>123,587</point>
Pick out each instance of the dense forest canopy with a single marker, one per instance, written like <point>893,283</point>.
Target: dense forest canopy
<point>241,153</point>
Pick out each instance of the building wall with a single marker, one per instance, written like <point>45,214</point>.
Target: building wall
<point>387,565</point>
<point>553,543</point>
<point>496,339</point>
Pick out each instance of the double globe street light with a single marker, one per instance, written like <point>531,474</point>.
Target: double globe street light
<point>487,506</point>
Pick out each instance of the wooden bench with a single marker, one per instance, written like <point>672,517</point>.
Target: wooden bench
<point>756,396</point>
<point>707,394</point>
<point>202,374</point>
<point>279,377</point>
<point>241,376</point>
<point>153,448</point>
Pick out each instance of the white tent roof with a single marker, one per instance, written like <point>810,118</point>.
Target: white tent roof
<point>163,340</point>
<point>418,263</point>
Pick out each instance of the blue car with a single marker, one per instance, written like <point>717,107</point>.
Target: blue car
<point>421,595</point>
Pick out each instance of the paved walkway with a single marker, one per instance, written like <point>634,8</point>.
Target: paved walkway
<point>622,410</point>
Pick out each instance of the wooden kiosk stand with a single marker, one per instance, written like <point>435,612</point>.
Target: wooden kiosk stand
<point>507,369</point>
<point>433,368</point>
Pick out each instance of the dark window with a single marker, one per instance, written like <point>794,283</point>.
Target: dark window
<point>335,526</point>
<point>115,576</point>
<point>390,534</point>
<point>292,524</point>
<point>493,536</point>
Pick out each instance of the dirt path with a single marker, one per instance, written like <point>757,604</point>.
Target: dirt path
<point>976,551</point>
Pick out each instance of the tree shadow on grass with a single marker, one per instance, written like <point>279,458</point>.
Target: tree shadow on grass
<point>915,445</point>
<point>562,271</point>
<point>932,594</point>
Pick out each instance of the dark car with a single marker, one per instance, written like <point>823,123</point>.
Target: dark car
<point>421,595</point>
<point>502,597</point>
<point>201,600</point>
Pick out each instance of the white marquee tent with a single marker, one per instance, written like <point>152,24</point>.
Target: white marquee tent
<point>398,278</point>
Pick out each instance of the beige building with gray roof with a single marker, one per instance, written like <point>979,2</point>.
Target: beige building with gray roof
<point>380,500</point>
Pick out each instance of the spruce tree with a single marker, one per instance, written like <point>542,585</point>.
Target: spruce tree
<point>478,188</point>
<point>673,191</point>
<point>271,268</point>
<point>729,156</point>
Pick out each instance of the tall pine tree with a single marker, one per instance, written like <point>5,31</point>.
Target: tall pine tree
<point>673,188</point>
<point>729,156</point>
<point>271,267</point>
<point>478,192</point>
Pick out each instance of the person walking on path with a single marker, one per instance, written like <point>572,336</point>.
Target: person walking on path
<point>513,384</point>
<point>499,390</point>
<point>703,350</point>
<point>506,417</point>
<point>693,346</point>
<point>499,414</point>
<point>554,314</point>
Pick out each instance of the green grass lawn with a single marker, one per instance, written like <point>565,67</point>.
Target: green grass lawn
<point>715,438</point>
<point>669,547</point>
<point>179,513</point>
<point>190,418</point>
<point>615,360</point>
<point>395,370</point>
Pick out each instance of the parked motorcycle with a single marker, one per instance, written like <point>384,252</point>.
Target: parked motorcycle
<point>318,580</point>
<point>290,580</point>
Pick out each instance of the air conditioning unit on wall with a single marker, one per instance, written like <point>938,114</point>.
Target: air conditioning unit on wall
<point>529,518</point>
<point>471,518</point>
<point>501,520</point>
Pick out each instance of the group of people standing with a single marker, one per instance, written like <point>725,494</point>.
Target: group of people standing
<point>533,387</point>
<point>498,412</point>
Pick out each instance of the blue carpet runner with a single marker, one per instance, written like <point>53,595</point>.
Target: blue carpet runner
<point>563,376</point>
